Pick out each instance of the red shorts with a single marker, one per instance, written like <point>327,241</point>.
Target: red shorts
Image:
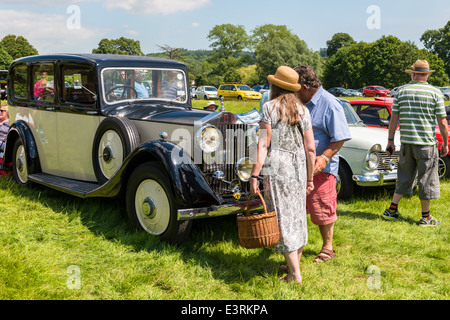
<point>321,203</point>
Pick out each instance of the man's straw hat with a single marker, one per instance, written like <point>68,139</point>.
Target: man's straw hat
<point>285,78</point>
<point>420,66</point>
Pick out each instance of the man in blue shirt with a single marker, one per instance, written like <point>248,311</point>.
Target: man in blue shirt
<point>140,89</point>
<point>330,132</point>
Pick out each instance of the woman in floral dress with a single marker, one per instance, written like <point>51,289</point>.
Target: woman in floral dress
<point>288,157</point>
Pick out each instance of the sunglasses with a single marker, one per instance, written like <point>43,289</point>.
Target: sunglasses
<point>3,110</point>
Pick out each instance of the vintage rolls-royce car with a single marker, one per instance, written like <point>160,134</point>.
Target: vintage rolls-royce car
<point>114,125</point>
<point>363,160</point>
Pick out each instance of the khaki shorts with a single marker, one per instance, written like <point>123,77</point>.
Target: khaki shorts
<point>424,161</point>
<point>321,203</point>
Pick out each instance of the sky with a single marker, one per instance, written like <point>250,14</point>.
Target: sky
<point>77,26</point>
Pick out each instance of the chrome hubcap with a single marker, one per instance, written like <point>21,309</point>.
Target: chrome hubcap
<point>152,207</point>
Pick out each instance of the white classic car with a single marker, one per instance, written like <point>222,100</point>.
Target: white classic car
<point>363,160</point>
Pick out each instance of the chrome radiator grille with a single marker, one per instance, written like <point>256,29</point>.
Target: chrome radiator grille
<point>385,160</point>
<point>234,146</point>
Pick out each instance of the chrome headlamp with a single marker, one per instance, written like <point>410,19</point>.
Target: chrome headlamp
<point>208,138</point>
<point>372,159</point>
<point>243,169</point>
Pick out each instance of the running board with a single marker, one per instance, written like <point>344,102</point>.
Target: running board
<point>74,187</point>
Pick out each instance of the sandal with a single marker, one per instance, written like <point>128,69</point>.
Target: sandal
<point>325,255</point>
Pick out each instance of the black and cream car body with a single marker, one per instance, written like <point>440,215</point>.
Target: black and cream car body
<point>81,124</point>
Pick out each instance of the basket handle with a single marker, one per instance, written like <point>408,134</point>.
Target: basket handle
<point>262,200</point>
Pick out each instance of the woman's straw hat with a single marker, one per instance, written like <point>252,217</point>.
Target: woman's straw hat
<point>420,66</point>
<point>285,78</point>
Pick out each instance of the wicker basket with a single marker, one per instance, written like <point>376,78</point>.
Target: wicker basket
<point>258,230</point>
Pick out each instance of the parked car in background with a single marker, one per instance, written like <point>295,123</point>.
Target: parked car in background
<point>265,88</point>
<point>375,91</point>
<point>363,160</point>
<point>206,93</point>
<point>257,87</point>
<point>340,92</point>
<point>238,91</point>
<point>393,92</point>
<point>446,92</point>
<point>100,136</point>
<point>377,113</point>
<point>3,84</point>
<point>355,93</point>
<point>192,91</point>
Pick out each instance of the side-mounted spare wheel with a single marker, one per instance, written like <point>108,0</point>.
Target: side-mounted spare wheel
<point>151,207</point>
<point>114,140</point>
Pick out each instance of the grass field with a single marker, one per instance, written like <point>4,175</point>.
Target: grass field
<point>57,247</point>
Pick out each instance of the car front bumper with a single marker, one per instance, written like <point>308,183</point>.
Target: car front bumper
<point>380,179</point>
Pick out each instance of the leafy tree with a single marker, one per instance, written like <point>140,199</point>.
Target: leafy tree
<point>228,40</point>
<point>122,45</point>
<point>275,45</point>
<point>227,55</point>
<point>382,62</point>
<point>5,58</point>
<point>338,41</point>
<point>17,46</point>
<point>438,41</point>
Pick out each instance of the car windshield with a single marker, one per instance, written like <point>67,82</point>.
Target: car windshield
<point>350,115</point>
<point>380,88</point>
<point>143,83</point>
<point>210,89</point>
<point>244,88</point>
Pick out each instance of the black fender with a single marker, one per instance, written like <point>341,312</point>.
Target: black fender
<point>189,185</point>
<point>20,129</point>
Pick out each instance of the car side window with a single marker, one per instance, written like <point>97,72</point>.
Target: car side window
<point>20,81</point>
<point>374,115</point>
<point>79,84</point>
<point>43,76</point>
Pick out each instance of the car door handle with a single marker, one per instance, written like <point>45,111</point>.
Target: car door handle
<point>50,108</point>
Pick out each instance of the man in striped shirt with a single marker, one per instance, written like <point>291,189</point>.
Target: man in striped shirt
<point>416,107</point>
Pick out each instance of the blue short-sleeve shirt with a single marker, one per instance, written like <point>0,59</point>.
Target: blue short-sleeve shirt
<point>329,125</point>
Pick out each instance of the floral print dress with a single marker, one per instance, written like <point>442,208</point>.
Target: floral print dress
<point>285,177</point>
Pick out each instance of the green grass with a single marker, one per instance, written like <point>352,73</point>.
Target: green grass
<point>44,234</point>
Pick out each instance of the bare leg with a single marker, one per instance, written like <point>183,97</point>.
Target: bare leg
<point>327,237</point>
<point>292,259</point>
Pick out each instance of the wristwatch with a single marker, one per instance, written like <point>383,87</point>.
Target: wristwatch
<point>326,158</point>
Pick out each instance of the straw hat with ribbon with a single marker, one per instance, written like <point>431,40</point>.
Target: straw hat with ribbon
<point>420,66</point>
<point>285,78</point>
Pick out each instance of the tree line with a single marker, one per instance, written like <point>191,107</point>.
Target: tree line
<point>238,56</point>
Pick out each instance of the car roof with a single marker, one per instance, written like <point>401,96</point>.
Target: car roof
<point>373,102</point>
<point>105,60</point>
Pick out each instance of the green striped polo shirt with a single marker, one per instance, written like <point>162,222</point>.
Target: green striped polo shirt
<point>418,104</point>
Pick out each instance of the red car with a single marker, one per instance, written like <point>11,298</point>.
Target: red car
<point>377,113</point>
<point>375,91</point>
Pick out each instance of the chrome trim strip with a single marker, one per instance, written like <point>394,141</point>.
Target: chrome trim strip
<point>217,211</point>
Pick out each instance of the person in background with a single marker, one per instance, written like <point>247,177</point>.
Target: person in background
<point>291,160</point>
<point>138,86</point>
<point>330,132</point>
<point>4,127</point>
<point>210,106</point>
<point>416,108</point>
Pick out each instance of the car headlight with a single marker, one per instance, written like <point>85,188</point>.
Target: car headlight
<point>208,138</point>
<point>372,160</point>
<point>244,169</point>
